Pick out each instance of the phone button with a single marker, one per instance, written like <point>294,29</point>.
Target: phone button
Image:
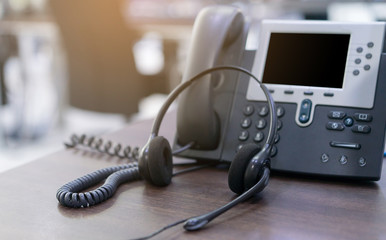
<point>348,121</point>
<point>273,151</point>
<point>363,117</point>
<point>243,135</point>
<point>335,126</point>
<point>336,114</point>
<point>279,125</point>
<point>345,145</point>
<point>246,123</point>
<point>259,137</point>
<point>362,162</point>
<point>361,128</point>
<point>277,138</point>
<point>263,111</point>
<point>248,110</point>
<point>305,110</point>
<point>343,159</point>
<point>325,158</point>
<point>261,123</point>
<point>280,111</point>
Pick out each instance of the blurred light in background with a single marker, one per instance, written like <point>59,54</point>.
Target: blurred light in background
<point>148,54</point>
<point>357,11</point>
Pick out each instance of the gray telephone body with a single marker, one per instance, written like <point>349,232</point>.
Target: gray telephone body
<point>328,80</point>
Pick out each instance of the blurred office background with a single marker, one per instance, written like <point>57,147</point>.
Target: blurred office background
<point>91,66</point>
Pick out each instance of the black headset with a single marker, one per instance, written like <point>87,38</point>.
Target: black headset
<point>248,173</point>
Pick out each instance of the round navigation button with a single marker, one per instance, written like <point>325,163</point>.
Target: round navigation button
<point>348,121</point>
<point>370,44</point>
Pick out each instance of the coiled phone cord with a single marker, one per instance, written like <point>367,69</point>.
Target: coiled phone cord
<point>69,196</point>
<point>98,144</point>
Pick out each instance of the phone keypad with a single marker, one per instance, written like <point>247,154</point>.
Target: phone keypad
<point>258,132</point>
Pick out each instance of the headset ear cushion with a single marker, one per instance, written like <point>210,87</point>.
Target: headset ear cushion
<point>239,165</point>
<point>160,161</point>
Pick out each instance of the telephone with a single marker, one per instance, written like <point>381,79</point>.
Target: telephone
<point>328,80</point>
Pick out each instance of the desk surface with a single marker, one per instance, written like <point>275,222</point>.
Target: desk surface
<point>289,208</point>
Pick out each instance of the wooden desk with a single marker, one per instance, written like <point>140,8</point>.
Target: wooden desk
<point>289,208</point>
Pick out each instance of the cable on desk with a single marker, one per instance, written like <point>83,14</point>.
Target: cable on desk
<point>110,148</point>
<point>100,145</point>
<point>69,196</point>
<point>161,230</point>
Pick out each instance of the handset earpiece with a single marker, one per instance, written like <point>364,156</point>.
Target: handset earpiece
<point>155,162</point>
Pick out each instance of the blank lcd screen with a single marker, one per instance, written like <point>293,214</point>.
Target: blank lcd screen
<point>316,60</point>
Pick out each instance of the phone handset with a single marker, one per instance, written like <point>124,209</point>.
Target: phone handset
<point>218,38</point>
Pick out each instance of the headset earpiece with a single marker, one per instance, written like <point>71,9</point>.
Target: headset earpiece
<point>239,165</point>
<point>155,163</point>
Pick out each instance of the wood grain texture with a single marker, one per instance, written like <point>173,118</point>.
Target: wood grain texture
<point>289,208</point>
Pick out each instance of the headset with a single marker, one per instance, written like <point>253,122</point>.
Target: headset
<point>248,173</point>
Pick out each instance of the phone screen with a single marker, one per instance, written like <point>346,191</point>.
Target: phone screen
<point>316,60</point>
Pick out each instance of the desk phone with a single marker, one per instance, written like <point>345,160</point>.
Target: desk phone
<point>328,80</point>
<point>313,103</point>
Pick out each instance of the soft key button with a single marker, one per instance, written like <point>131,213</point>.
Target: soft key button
<point>335,126</point>
<point>361,128</point>
<point>363,117</point>
<point>336,114</point>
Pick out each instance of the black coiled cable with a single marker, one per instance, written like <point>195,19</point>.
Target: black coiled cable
<point>69,194</point>
<point>99,145</point>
